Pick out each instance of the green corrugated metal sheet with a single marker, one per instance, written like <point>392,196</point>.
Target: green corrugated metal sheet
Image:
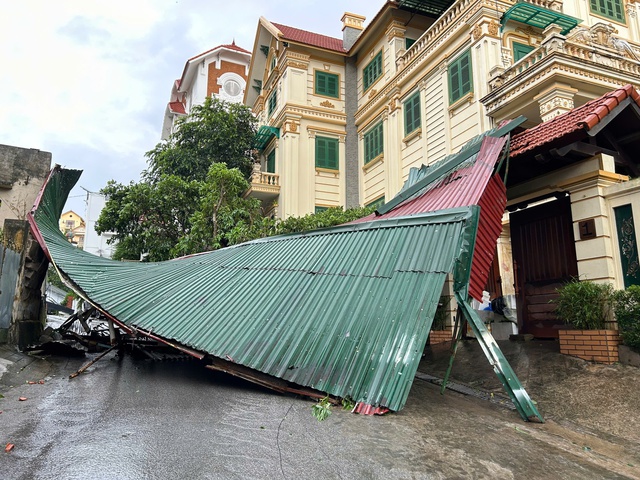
<point>539,17</point>
<point>426,7</point>
<point>264,136</point>
<point>345,310</point>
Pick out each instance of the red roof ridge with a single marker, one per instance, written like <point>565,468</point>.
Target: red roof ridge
<point>584,117</point>
<point>310,38</point>
<point>229,46</point>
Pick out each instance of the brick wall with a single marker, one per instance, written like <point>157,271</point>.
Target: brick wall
<point>214,74</point>
<point>594,345</point>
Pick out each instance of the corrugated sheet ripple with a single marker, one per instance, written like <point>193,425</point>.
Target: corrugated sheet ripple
<point>345,310</point>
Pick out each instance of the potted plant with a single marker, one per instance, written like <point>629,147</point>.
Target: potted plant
<point>586,307</point>
<point>439,331</point>
<point>627,311</point>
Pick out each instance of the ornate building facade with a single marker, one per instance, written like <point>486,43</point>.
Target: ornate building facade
<point>344,121</point>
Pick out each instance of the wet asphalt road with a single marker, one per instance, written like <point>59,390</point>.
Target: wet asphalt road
<point>131,419</point>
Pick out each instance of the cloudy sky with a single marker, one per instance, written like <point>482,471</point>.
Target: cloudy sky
<point>89,81</point>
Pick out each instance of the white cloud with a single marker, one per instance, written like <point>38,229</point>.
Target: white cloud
<point>89,81</point>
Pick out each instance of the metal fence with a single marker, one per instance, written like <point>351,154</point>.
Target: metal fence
<point>9,267</point>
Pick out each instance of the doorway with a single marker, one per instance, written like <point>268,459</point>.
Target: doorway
<point>544,258</point>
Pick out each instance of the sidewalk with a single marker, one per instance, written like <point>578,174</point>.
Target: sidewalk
<point>598,400</point>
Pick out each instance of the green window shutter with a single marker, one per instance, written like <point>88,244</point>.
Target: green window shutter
<point>271,162</point>
<point>372,71</point>
<point>460,77</point>
<point>520,50</point>
<point>376,203</point>
<point>609,8</point>
<point>327,153</point>
<point>373,143</point>
<point>320,209</point>
<point>273,101</point>
<point>327,84</point>
<point>408,42</point>
<point>412,117</point>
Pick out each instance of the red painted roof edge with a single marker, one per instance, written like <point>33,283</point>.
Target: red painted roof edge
<point>231,46</point>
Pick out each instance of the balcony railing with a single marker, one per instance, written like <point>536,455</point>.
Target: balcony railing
<point>265,178</point>
<point>597,44</point>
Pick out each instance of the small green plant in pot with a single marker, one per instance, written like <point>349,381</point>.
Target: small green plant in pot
<point>627,310</point>
<point>586,306</point>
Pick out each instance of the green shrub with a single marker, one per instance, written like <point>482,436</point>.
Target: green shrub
<point>627,310</point>
<point>585,305</point>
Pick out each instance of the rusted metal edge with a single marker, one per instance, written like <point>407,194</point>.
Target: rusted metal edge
<point>265,380</point>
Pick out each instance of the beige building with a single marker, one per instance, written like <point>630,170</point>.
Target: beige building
<point>344,121</point>
<point>73,227</point>
<point>22,173</point>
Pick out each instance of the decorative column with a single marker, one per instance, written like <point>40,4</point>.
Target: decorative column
<point>556,100</point>
<point>631,10</point>
<point>591,224</point>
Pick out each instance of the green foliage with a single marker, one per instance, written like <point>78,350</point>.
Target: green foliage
<point>442,312</point>
<point>348,403</point>
<point>221,209</point>
<point>148,218</point>
<point>54,279</point>
<point>214,132</point>
<point>266,227</point>
<point>67,297</point>
<point>322,409</point>
<point>585,305</point>
<point>627,310</point>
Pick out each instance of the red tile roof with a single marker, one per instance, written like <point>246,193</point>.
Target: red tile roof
<point>310,38</point>
<point>231,46</point>
<point>574,122</point>
<point>177,107</point>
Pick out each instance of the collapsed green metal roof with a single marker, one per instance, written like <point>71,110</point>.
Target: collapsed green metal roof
<point>539,17</point>
<point>345,310</point>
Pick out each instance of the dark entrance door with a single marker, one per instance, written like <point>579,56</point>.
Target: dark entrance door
<point>544,258</point>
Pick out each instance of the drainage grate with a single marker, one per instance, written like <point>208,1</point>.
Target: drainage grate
<point>495,398</point>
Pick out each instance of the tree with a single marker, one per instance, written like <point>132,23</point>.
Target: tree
<point>214,132</point>
<point>190,198</point>
<point>221,208</point>
<point>266,227</point>
<point>148,218</point>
